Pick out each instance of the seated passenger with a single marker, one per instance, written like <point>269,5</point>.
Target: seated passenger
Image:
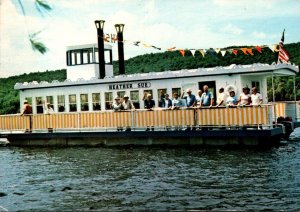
<point>127,104</point>
<point>166,102</point>
<point>232,100</point>
<point>222,97</point>
<point>176,102</point>
<point>245,98</point>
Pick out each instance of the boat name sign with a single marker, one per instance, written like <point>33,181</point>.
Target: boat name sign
<point>129,86</point>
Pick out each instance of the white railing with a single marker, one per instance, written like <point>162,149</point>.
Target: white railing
<point>158,118</point>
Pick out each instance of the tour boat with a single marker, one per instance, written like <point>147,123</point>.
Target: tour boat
<point>83,116</point>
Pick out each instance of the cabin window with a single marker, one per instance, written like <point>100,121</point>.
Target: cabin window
<point>96,101</point>
<point>134,97</point>
<point>161,94</point>
<point>107,56</point>
<point>257,85</point>
<point>49,99</point>
<point>39,105</point>
<point>61,103</point>
<point>76,57</point>
<point>72,103</point>
<point>68,55</point>
<point>108,100</point>
<point>176,90</point>
<point>29,99</point>
<point>96,56</point>
<point>121,94</point>
<point>87,56</point>
<point>84,102</point>
<point>73,60</point>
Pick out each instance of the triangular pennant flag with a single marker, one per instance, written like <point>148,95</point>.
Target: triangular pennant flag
<point>193,52</point>
<point>234,51</point>
<point>156,47</point>
<point>276,48</point>
<point>258,48</point>
<point>182,52</point>
<point>202,52</point>
<point>137,43</point>
<point>114,39</point>
<point>223,52</point>
<point>172,48</point>
<point>244,50</point>
<point>250,51</point>
<point>146,45</point>
<point>106,38</point>
<point>271,47</point>
<point>217,50</point>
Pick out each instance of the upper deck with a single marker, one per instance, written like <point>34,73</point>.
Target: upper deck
<point>245,70</point>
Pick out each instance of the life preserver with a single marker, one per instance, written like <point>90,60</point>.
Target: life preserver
<point>230,88</point>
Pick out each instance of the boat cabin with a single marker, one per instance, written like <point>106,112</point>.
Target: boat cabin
<point>83,90</point>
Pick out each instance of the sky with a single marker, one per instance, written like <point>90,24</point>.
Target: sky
<point>185,24</point>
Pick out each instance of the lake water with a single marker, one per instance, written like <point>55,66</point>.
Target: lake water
<point>150,178</point>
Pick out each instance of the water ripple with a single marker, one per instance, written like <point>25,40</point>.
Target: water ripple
<point>150,178</point>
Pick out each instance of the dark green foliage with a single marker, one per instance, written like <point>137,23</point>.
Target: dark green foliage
<point>9,98</point>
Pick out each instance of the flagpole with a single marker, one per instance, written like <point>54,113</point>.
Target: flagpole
<point>273,96</point>
<point>295,98</point>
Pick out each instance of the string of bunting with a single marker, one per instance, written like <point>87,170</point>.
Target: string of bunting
<point>245,50</point>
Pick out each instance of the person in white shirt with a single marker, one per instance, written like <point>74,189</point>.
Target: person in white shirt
<point>222,97</point>
<point>198,97</point>
<point>47,108</point>
<point>127,104</point>
<point>256,98</point>
<point>244,98</point>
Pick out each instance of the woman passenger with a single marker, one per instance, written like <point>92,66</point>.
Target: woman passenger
<point>245,98</point>
<point>232,100</point>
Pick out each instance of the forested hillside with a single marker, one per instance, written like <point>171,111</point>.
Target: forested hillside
<point>173,60</point>
<point>9,98</point>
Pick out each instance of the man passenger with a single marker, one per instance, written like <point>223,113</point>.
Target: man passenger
<point>27,110</point>
<point>127,104</point>
<point>190,98</point>
<point>207,99</point>
<point>176,102</point>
